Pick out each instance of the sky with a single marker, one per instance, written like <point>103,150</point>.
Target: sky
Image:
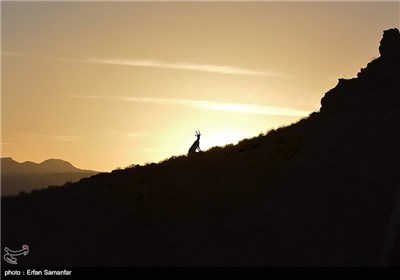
<point>106,84</point>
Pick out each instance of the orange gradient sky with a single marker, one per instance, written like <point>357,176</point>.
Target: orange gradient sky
<point>105,85</point>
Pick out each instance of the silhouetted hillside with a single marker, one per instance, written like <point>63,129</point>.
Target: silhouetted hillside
<point>27,176</point>
<point>319,192</point>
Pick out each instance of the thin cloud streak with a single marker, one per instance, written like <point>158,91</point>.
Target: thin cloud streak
<point>15,54</point>
<point>52,137</point>
<point>137,135</point>
<point>209,68</point>
<point>127,134</point>
<point>207,105</point>
<point>153,63</point>
<point>7,53</point>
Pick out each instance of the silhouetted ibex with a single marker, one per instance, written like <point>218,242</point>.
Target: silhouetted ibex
<point>196,144</point>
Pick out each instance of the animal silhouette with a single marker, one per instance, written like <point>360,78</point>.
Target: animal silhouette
<point>196,145</point>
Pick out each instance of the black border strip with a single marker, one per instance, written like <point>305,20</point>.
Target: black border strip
<point>209,272</point>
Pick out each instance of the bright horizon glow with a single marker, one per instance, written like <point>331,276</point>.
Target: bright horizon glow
<point>222,138</point>
<point>109,84</point>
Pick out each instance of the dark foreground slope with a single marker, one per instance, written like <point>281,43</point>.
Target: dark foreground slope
<point>319,192</point>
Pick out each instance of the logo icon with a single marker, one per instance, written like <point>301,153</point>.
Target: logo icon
<point>10,255</point>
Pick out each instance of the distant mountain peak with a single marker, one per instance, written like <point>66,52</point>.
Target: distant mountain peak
<point>58,164</point>
<point>56,161</point>
<point>28,175</point>
<point>9,165</point>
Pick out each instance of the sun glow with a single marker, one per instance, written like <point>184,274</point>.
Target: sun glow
<point>221,138</point>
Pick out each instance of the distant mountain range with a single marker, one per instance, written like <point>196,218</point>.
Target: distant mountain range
<point>28,176</point>
<point>321,192</point>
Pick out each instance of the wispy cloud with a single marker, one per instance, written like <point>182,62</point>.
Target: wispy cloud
<point>16,54</point>
<point>210,68</point>
<point>155,63</point>
<point>66,138</point>
<point>7,144</point>
<point>207,105</point>
<point>52,137</point>
<point>127,134</point>
<point>8,53</point>
<point>137,135</point>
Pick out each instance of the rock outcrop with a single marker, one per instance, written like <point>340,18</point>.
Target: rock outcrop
<point>390,44</point>
<point>375,86</point>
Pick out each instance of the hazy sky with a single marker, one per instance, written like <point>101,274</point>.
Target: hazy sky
<point>105,85</point>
